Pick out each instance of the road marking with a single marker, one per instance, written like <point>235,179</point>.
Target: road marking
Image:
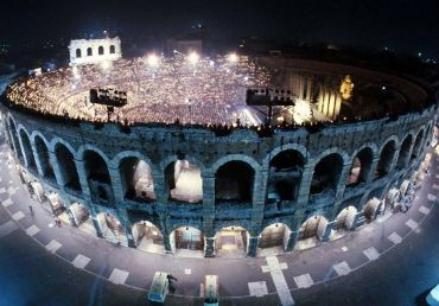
<point>118,277</point>
<point>424,210</point>
<point>342,268</point>
<point>257,289</point>
<point>304,281</point>
<point>53,246</point>
<point>371,253</point>
<point>18,216</point>
<point>395,238</point>
<point>275,269</point>
<point>8,202</point>
<point>80,261</point>
<point>32,230</point>
<point>412,224</point>
<point>431,197</point>
<point>7,228</point>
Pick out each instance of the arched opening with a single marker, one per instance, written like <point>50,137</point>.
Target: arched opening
<point>327,174</point>
<point>112,49</point>
<point>44,158</point>
<point>184,181</point>
<point>111,228</point>
<point>78,53</point>
<point>404,152</point>
<point>417,146</point>
<point>89,51</point>
<point>101,50</point>
<point>27,150</point>
<point>311,231</point>
<point>15,141</point>
<point>67,167</point>
<point>98,178</point>
<point>346,219</point>
<point>137,180</point>
<point>275,236</point>
<point>286,170</point>
<point>234,183</point>
<point>360,167</point>
<point>371,208</point>
<point>81,216</point>
<point>187,240</point>
<point>148,237</point>
<point>386,158</point>
<point>231,241</point>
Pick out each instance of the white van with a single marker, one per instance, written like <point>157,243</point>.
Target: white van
<point>159,287</point>
<point>211,291</point>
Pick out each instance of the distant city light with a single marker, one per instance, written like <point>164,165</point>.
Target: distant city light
<point>233,57</point>
<point>193,57</point>
<point>153,60</point>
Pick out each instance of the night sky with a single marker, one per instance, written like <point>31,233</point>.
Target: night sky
<point>402,25</point>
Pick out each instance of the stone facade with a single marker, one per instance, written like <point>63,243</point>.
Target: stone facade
<point>37,142</point>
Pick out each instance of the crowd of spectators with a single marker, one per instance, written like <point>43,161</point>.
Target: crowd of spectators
<point>211,91</point>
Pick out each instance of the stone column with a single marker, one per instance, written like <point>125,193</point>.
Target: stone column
<point>259,195</point>
<point>209,249</point>
<point>83,180</point>
<point>394,159</point>
<point>327,233</point>
<point>209,213</point>
<point>372,171</point>
<point>57,170</point>
<point>116,186</point>
<point>36,156</point>
<point>127,226</point>
<point>341,186</point>
<point>252,247</point>
<point>305,186</point>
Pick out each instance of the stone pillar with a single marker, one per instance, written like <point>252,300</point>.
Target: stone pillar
<point>37,160</point>
<point>83,180</point>
<point>209,249</point>
<point>96,224</point>
<point>341,186</point>
<point>395,159</point>
<point>57,169</point>
<point>252,247</point>
<point>123,218</point>
<point>373,168</point>
<point>295,228</point>
<point>116,186</point>
<point>259,195</point>
<point>305,186</point>
<point>327,232</point>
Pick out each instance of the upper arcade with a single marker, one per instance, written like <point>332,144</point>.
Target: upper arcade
<point>94,51</point>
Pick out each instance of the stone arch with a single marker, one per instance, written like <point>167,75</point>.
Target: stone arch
<point>112,49</point>
<point>136,178</point>
<point>78,53</point>
<point>89,51</point>
<point>100,50</point>
<point>234,182</point>
<point>346,218</point>
<point>361,166</point>
<point>67,166</point>
<point>43,155</point>
<point>285,175</point>
<point>313,227</point>
<point>387,154</point>
<point>274,235</point>
<point>98,176</point>
<point>327,172</point>
<point>232,241</point>
<point>186,237</point>
<point>183,178</point>
<point>148,236</point>
<point>291,146</point>
<point>404,152</point>
<point>27,148</point>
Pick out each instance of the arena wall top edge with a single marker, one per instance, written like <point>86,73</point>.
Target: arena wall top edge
<point>415,89</point>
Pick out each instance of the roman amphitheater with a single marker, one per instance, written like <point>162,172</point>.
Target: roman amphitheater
<point>188,167</point>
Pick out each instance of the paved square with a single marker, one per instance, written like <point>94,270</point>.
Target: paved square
<point>342,268</point>
<point>304,281</point>
<point>12,190</point>
<point>18,216</point>
<point>53,246</point>
<point>435,186</point>
<point>8,202</point>
<point>424,210</point>
<point>118,277</point>
<point>395,238</point>
<point>32,230</point>
<point>412,224</point>
<point>187,271</point>
<point>7,228</point>
<point>257,289</point>
<point>2,190</point>
<point>371,253</point>
<point>80,261</point>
